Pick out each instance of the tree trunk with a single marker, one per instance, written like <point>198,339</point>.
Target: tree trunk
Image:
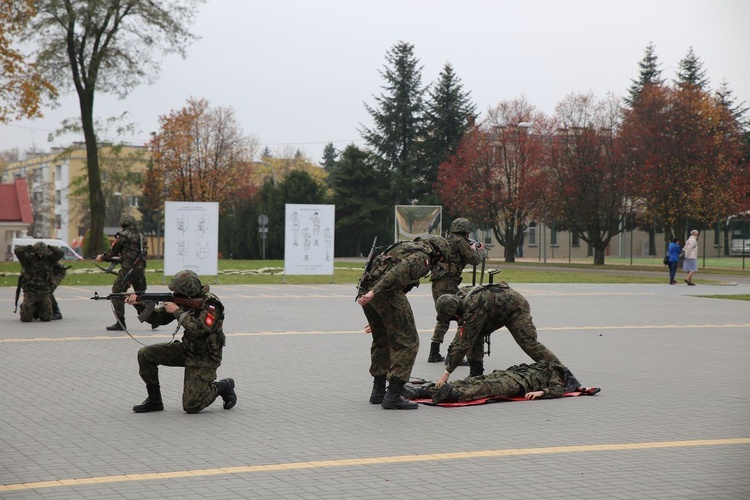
<point>599,256</point>
<point>96,196</point>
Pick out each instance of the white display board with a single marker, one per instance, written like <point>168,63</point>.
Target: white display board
<point>308,239</point>
<point>191,237</point>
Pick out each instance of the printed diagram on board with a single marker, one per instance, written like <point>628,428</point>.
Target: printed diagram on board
<point>315,219</point>
<point>327,238</point>
<point>295,228</point>
<point>187,239</point>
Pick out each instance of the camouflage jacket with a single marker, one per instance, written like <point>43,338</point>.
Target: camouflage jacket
<point>485,308</point>
<point>38,271</point>
<point>203,332</point>
<point>127,246</point>
<point>543,376</point>
<point>461,256</point>
<point>399,267</point>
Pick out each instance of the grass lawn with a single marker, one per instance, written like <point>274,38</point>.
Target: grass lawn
<point>84,273</point>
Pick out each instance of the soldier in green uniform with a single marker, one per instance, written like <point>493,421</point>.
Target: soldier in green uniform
<point>130,248</point>
<point>446,276</point>
<point>199,351</point>
<point>382,295</point>
<point>37,263</point>
<point>537,380</point>
<point>479,311</point>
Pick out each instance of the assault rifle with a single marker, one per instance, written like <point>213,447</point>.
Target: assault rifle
<point>19,287</point>
<point>368,266</point>
<point>151,299</point>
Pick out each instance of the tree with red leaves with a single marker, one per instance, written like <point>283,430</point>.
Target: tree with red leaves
<point>495,177</point>
<point>686,148</point>
<point>588,183</point>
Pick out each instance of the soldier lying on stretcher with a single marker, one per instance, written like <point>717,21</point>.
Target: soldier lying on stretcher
<point>544,379</point>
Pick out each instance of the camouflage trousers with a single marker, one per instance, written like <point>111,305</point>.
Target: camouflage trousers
<point>497,384</point>
<point>198,390</point>
<point>395,341</point>
<point>137,278</point>
<point>36,305</point>
<point>442,287</point>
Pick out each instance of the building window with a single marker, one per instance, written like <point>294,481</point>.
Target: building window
<point>553,236</point>
<point>532,234</point>
<point>58,221</point>
<point>134,201</point>
<point>58,172</point>
<point>576,240</point>
<point>58,197</point>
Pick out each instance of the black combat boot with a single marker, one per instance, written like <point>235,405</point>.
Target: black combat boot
<point>56,314</point>
<point>571,382</point>
<point>225,387</point>
<point>445,394</point>
<point>152,402</point>
<point>435,356</point>
<point>116,327</point>
<point>476,368</point>
<point>378,390</point>
<point>393,400</point>
<point>411,392</point>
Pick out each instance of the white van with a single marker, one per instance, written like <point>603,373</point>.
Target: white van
<point>70,254</point>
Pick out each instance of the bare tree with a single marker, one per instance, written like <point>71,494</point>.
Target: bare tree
<point>107,46</point>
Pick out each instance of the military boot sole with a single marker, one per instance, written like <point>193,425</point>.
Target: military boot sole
<point>399,404</point>
<point>148,406</point>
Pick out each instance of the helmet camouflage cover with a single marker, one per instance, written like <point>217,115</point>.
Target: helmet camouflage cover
<point>187,283</point>
<point>39,248</point>
<point>128,220</point>
<point>446,307</point>
<point>461,226</point>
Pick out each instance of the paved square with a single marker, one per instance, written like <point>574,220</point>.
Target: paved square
<point>671,421</point>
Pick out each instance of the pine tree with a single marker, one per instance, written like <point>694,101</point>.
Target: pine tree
<point>398,122</point>
<point>649,74</point>
<point>449,113</point>
<point>725,97</point>
<point>691,72</point>
<point>330,155</point>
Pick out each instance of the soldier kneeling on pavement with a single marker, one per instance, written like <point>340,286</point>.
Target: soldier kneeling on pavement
<point>200,350</point>
<point>38,280</point>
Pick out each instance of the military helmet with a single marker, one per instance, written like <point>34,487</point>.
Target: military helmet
<point>187,283</point>
<point>128,220</point>
<point>440,245</point>
<point>461,226</point>
<point>446,307</point>
<point>39,248</point>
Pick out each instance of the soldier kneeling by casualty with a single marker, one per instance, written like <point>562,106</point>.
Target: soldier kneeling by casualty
<point>543,380</point>
<point>199,352</point>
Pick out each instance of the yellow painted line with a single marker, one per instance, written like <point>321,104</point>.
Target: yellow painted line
<point>355,462</point>
<point>360,332</point>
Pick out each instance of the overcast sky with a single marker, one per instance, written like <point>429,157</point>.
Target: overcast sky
<point>298,72</point>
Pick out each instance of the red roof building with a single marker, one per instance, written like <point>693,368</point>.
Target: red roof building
<point>15,213</point>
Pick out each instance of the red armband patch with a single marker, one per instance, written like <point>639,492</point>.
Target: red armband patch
<point>209,319</point>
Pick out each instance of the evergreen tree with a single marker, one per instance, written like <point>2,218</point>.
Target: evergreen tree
<point>394,139</point>
<point>725,97</point>
<point>649,74</point>
<point>691,72</point>
<point>266,153</point>
<point>330,156</point>
<point>449,113</point>
<point>362,210</point>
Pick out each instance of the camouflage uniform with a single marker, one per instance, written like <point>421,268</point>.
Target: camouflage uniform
<point>58,274</point>
<point>446,276</point>
<point>395,341</point>
<point>514,382</point>
<point>484,309</point>
<point>130,247</point>
<point>37,261</point>
<point>200,350</point>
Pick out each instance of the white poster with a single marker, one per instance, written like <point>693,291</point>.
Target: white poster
<point>191,237</point>
<point>308,239</point>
